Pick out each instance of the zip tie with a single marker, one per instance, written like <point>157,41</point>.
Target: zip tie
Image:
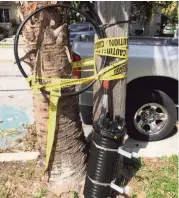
<point>99,183</point>
<point>127,154</point>
<point>121,190</point>
<point>104,149</point>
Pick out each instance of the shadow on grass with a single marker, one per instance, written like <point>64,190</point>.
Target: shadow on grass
<point>127,169</point>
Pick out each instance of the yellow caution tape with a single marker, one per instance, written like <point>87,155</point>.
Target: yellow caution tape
<point>111,42</point>
<point>107,73</point>
<point>51,125</point>
<point>117,52</point>
<point>83,63</point>
<point>112,47</point>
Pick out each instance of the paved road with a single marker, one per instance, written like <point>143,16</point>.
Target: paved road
<point>15,93</point>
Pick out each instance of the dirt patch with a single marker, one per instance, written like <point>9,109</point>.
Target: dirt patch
<point>23,179</point>
<point>26,143</point>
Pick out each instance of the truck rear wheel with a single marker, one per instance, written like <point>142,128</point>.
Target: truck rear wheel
<point>150,115</point>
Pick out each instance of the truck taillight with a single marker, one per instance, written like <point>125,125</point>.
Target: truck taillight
<point>76,72</point>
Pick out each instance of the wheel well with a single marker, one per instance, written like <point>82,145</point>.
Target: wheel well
<point>165,84</point>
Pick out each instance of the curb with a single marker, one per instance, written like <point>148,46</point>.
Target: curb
<point>4,45</point>
<point>7,60</point>
<point>20,156</point>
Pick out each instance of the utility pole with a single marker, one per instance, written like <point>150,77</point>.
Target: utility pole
<point>109,108</point>
<point>112,12</point>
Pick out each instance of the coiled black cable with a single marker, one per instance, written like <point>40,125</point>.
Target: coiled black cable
<point>96,22</point>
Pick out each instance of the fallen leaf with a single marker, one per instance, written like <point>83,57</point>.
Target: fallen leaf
<point>10,119</point>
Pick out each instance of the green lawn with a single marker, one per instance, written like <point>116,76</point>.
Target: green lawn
<point>152,178</point>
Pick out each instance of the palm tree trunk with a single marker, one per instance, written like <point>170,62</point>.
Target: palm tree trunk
<point>68,162</point>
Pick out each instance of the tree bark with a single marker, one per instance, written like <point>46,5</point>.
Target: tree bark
<point>148,30</point>
<point>111,12</point>
<point>46,36</point>
<point>148,22</point>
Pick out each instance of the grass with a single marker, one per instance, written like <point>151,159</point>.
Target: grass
<point>153,178</point>
<point>148,178</point>
<point>42,193</point>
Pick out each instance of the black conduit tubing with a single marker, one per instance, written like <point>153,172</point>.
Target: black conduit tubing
<point>101,168</point>
<point>103,159</point>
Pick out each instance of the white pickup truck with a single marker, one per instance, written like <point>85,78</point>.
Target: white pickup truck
<point>152,89</point>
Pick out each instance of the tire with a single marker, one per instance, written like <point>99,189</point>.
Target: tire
<point>156,98</point>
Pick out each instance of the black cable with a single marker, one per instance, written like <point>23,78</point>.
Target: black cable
<point>105,26</point>
<point>96,24</point>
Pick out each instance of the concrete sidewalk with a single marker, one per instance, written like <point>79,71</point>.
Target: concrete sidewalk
<point>14,90</point>
<point>15,94</point>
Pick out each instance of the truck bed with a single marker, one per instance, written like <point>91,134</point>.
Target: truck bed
<point>153,41</point>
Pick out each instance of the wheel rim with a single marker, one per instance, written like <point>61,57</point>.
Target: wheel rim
<point>150,118</point>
